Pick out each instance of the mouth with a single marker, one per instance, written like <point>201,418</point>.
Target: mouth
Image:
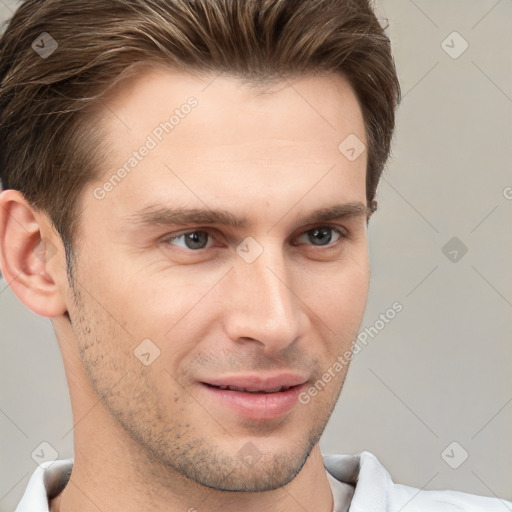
<point>253,397</point>
<point>279,389</point>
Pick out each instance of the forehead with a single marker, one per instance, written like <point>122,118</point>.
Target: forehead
<point>306,108</point>
<point>212,138</point>
<point>322,101</point>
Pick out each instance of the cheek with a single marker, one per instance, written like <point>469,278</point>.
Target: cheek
<point>147,303</point>
<point>340,289</point>
<point>339,303</point>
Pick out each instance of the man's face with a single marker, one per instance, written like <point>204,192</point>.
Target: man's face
<point>270,303</point>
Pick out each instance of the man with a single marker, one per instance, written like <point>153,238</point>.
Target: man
<point>187,190</point>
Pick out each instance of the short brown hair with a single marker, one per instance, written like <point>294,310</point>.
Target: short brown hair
<point>49,148</point>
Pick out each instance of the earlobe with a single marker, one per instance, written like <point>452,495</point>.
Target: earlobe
<point>30,256</point>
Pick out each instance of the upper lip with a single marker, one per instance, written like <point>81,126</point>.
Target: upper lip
<point>257,382</point>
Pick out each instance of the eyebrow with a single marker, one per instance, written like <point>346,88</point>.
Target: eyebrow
<point>159,215</point>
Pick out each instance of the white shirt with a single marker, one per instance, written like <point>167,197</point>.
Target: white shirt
<point>359,483</point>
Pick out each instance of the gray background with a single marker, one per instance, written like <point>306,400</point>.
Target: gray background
<point>440,371</point>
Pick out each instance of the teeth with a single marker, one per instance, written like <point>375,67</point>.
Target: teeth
<point>275,390</point>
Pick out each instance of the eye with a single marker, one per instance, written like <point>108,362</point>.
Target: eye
<point>194,240</point>
<point>197,240</point>
<point>321,236</point>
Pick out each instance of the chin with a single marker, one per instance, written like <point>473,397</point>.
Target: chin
<point>249,470</point>
<point>265,477</point>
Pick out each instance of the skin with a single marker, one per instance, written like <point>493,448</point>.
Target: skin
<point>149,437</point>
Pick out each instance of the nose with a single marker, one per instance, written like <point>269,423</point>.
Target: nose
<point>264,304</point>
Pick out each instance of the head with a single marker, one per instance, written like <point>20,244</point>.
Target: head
<point>200,175</point>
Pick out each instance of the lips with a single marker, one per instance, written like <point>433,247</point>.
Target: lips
<point>256,383</point>
<point>256,390</point>
<point>254,397</point>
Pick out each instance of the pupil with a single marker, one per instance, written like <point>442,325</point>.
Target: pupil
<point>197,239</point>
<point>324,235</point>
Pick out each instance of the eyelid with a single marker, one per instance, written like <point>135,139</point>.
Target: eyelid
<point>341,230</point>
<point>167,239</point>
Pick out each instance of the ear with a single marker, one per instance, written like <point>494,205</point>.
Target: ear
<point>32,258</point>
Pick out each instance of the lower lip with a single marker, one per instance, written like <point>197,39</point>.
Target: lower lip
<point>256,406</point>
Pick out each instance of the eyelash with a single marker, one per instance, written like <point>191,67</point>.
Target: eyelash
<point>342,235</point>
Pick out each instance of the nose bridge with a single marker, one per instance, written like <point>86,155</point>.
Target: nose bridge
<point>263,306</point>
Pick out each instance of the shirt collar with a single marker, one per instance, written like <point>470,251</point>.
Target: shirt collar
<point>46,482</point>
<point>358,482</point>
<point>371,482</point>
